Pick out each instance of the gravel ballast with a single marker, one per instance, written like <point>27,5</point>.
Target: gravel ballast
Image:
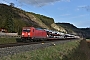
<point>18,49</point>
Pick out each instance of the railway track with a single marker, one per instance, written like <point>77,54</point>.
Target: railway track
<point>15,48</point>
<point>22,43</point>
<point>16,44</point>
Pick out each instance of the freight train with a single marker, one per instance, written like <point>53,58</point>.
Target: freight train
<point>35,34</point>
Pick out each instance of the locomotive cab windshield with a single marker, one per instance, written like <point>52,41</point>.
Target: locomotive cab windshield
<point>26,30</point>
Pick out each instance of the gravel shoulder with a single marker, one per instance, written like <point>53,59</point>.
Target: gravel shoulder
<point>18,49</point>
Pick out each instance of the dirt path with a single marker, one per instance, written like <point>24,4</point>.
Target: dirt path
<point>82,52</point>
<point>84,48</point>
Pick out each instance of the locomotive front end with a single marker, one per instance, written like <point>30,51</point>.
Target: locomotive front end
<point>26,34</point>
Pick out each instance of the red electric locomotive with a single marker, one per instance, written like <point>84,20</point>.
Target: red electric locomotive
<point>33,34</point>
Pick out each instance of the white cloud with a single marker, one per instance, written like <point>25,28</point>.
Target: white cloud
<point>40,3</point>
<point>67,0</point>
<point>4,1</point>
<point>85,7</point>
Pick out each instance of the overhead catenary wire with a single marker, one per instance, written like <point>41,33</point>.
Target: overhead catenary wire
<point>30,8</point>
<point>41,7</point>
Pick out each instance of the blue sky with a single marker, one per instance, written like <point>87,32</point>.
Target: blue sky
<point>76,12</point>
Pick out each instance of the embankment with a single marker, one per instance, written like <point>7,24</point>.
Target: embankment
<point>82,52</point>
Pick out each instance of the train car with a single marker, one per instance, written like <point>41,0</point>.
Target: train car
<point>36,34</point>
<point>33,34</point>
<point>69,36</point>
<point>54,35</point>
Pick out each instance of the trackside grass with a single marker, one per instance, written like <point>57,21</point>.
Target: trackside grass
<point>7,40</point>
<point>57,52</point>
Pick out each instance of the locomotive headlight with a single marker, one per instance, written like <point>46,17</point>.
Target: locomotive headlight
<point>22,33</point>
<point>28,33</point>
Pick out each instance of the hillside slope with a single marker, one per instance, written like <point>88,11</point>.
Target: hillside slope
<point>13,19</point>
<point>71,29</point>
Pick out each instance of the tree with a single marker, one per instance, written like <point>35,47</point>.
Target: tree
<point>12,4</point>
<point>9,25</point>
